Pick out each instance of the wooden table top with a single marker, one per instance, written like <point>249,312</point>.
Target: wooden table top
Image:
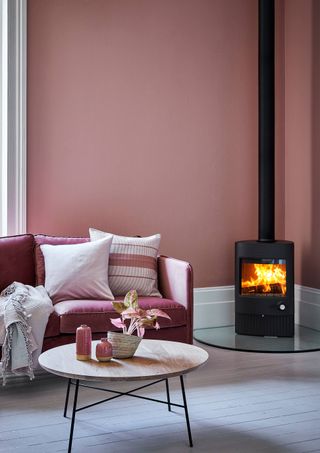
<point>154,359</point>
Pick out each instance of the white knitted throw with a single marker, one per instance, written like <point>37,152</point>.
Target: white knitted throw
<point>17,347</point>
<point>24,313</point>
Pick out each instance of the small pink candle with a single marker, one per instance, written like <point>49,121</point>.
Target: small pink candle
<point>104,350</point>
<point>83,342</point>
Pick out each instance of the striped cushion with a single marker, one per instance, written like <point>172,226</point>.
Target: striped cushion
<point>132,263</point>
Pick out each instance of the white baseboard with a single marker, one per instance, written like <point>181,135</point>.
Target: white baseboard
<point>308,305</point>
<point>214,306</point>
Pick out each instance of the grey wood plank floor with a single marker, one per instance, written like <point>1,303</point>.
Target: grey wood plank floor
<point>238,402</point>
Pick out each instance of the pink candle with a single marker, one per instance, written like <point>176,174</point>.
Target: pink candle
<point>104,350</point>
<point>83,342</point>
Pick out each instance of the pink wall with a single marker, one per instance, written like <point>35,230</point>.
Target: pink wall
<point>142,118</point>
<point>302,136</point>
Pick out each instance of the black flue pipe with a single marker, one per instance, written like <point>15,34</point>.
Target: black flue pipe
<point>266,121</point>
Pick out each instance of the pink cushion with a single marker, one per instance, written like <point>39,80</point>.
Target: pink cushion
<point>133,263</point>
<point>77,271</point>
<point>17,260</point>
<point>53,240</point>
<point>97,313</point>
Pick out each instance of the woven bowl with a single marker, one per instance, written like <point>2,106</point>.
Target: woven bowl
<point>123,345</point>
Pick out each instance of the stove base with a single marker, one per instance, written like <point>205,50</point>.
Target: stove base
<point>264,325</point>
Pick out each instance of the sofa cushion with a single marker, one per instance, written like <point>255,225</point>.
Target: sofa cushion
<point>77,271</point>
<point>53,240</point>
<point>97,313</point>
<point>133,263</point>
<point>17,260</point>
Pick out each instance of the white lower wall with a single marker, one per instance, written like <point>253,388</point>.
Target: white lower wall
<point>214,306</point>
<point>309,306</point>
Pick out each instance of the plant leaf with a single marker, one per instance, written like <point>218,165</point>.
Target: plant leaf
<point>131,299</point>
<point>156,312</point>
<point>117,322</point>
<point>118,306</point>
<point>130,313</point>
<point>147,322</point>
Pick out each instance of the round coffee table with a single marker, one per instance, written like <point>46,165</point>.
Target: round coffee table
<point>154,359</point>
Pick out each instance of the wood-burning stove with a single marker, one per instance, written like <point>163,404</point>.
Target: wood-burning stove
<point>264,269</point>
<point>264,294</point>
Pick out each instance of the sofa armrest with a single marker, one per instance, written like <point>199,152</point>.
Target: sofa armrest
<point>175,280</point>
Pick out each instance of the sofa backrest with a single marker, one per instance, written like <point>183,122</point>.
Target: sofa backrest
<point>17,260</point>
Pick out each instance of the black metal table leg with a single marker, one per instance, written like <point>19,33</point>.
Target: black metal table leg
<point>168,402</point>
<point>73,414</point>
<point>67,399</point>
<point>186,410</point>
<point>168,395</point>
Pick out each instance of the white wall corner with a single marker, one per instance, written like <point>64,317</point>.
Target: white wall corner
<point>214,306</point>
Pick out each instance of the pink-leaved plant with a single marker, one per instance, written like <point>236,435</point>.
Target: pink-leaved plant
<point>133,318</point>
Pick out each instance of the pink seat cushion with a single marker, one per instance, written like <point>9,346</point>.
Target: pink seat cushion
<point>17,260</point>
<point>97,313</point>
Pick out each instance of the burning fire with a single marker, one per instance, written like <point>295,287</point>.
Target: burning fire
<point>264,278</point>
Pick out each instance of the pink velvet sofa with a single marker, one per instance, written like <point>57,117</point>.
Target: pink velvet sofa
<point>21,260</point>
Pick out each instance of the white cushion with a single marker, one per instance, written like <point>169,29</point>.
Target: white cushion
<point>77,271</point>
<point>133,263</point>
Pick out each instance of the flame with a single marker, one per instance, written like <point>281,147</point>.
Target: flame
<point>265,275</point>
